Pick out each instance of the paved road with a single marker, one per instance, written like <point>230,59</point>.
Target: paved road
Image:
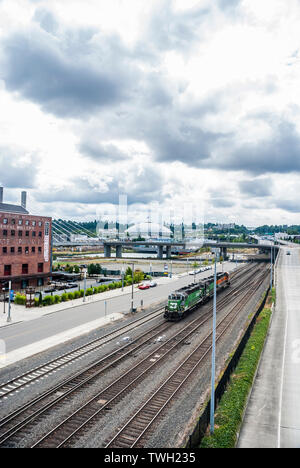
<point>25,333</point>
<point>273,415</point>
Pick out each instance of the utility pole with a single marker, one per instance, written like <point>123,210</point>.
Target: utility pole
<point>4,298</point>
<point>271,278</point>
<point>213,360</point>
<point>132,270</point>
<point>9,303</point>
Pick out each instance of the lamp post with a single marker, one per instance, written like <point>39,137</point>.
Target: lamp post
<point>213,360</point>
<point>132,270</point>
<point>84,270</point>
<point>9,303</point>
<point>271,278</point>
<point>122,278</point>
<point>4,297</point>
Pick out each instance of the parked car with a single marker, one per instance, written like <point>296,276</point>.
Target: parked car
<point>144,286</point>
<point>152,284</point>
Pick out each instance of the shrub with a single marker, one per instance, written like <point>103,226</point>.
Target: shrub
<point>20,299</point>
<point>36,302</point>
<point>89,292</point>
<point>48,300</point>
<point>81,292</point>
<point>64,297</point>
<point>70,296</point>
<point>76,294</point>
<point>57,299</point>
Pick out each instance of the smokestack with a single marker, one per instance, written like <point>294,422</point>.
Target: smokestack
<point>23,199</point>
<point>1,194</point>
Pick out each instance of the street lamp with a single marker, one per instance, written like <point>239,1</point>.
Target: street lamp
<point>9,303</point>
<point>271,279</point>
<point>213,359</point>
<point>84,271</point>
<point>132,270</point>
<point>4,298</point>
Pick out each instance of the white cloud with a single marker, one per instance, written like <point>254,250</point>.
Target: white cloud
<point>197,97</point>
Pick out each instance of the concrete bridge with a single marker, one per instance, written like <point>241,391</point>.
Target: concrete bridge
<point>167,246</point>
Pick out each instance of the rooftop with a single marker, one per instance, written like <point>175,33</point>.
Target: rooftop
<point>8,208</point>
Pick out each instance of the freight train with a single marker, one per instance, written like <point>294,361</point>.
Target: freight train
<point>183,301</point>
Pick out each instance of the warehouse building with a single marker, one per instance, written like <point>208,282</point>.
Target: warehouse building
<point>25,246</point>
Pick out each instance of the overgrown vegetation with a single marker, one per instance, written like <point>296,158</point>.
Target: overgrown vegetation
<point>230,411</point>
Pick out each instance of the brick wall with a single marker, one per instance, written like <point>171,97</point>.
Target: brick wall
<point>25,248</point>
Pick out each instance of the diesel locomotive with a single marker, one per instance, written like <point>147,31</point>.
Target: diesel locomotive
<point>183,301</point>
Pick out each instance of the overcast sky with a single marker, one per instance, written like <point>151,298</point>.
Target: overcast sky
<point>168,101</point>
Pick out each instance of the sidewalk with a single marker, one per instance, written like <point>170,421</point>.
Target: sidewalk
<point>21,314</point>
<point>21,338</point>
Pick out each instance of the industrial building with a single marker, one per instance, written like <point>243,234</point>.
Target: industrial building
<point>25,246</point>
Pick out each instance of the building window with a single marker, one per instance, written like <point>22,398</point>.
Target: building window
<point>12,233</point>
<point>24,284</point>
<point>13,221</point>
<point>20,233</point>
<point>25,269</point>
<point>40,223</point>
<point>40,282</point>
<point>5,233</point>
<point>40,267</point>
<point>33,249</point>
<point>27,233</point>
<point>33,234</point>
<point>4,250</point>
<point>20,222</point>
<point>5,221</point>
<point>40,249</point>
<point>12,250</point>
<point>19,250</point>
<point>40,234</point>
<point>7,270</point>
<point>26,250</point>
<point>33,223</point>
<point>27,223</point>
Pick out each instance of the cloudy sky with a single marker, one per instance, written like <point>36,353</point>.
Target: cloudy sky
<point>170,102</point>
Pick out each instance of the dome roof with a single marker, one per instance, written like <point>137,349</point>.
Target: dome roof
<point>149,230</point>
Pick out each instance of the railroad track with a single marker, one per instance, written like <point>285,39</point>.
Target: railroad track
<point>45,370</point>
<point>80,421</point>
<point>138,427</point>
<point>22,381</point>
<point>12,427</point>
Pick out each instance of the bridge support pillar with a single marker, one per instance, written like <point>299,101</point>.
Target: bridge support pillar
<point>118,251</point>
<point>107,251</point>
<point>168,251</point>
<point>224,253</point>
<point>160,253</point>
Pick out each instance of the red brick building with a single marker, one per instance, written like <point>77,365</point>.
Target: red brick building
<point>25,246</point>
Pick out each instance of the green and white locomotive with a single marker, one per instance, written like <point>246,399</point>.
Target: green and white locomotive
<point>189,297</point>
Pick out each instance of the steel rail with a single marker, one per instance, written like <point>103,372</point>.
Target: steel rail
<point>189,329</point>
<point>27,378</point>
<point>144,418</point>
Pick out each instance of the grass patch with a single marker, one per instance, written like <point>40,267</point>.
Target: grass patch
<point>230,411</point>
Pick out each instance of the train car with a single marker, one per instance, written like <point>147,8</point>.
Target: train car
<point>186,299</point>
